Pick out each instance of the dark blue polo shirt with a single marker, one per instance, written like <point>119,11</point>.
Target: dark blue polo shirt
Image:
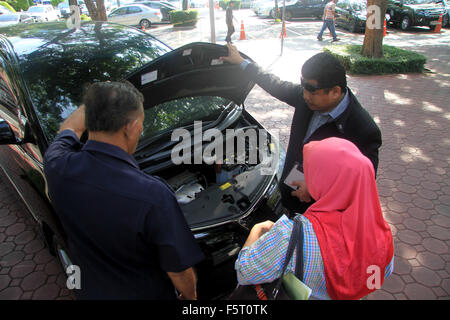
<point>125,228</point>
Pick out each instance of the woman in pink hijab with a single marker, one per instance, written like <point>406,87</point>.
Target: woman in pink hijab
<point>348,247</point>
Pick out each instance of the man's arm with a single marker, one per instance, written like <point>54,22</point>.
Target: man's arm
<point>75,122</point>
<point>282,90</point>
<point>185,283</point>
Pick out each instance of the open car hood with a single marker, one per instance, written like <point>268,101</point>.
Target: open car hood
<point>192,70</point>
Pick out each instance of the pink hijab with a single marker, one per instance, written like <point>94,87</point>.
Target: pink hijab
<point>346,216</point>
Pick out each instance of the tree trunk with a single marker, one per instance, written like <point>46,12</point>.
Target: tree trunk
<point>373,38</point>
<point>97,10</point>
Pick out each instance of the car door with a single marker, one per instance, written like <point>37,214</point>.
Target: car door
<point>134,15</point>
<point>300,8</point>
<point>119,15</point>
<point>342,13</point>
<point>316,8</point>
<point>24,18</point>
<point>22,163</point>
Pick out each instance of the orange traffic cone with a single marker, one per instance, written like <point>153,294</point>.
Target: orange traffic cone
<point>283,32</point>
<point>242,31</point>
<point>143,29</point>
<point>438,27</point>
<point>384,28</point>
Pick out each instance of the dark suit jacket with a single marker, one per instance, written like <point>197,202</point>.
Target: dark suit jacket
<point>354,124</point>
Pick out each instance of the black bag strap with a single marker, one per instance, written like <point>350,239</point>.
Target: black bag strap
<point>298,226</point>
<point>299,263</point>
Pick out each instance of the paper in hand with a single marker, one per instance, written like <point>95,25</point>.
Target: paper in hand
<point>294,175</point>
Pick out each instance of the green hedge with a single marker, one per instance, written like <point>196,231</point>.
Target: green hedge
<point>224,4</point>
<point>183,17</point>
<point>395,60</point>
<point>7,6</point>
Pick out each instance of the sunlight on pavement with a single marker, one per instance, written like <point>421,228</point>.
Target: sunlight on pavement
<point>427,106</point>
<point>395,98</point>
<point>414,154</point>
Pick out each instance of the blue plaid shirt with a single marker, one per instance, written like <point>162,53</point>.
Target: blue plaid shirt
<point>263,260</point>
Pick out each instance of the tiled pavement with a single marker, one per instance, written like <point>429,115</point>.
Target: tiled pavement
<point>413,113</point>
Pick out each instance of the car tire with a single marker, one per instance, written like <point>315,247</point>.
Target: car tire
<point>145,24</point>
<point>405,23</point>
<point>288,15</point>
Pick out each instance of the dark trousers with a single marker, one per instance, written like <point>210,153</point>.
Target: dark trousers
<point>229,33</point>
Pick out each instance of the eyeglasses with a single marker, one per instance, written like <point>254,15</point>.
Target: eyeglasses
<point>309,87</point>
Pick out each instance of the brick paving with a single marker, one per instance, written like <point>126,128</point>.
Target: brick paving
<point>413,178</point>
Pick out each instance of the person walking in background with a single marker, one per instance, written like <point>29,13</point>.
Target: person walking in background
<point>345,236</point>
<point>328,20</point>
<point>229,20</point>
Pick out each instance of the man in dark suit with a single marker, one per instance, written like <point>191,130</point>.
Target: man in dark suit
<point>324,107</point>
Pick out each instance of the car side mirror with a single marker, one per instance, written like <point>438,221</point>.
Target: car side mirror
<point>7,136</point>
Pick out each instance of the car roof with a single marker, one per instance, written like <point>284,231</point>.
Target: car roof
<point>56,62</point>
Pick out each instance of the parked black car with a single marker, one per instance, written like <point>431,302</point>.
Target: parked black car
<point>409,13</point>
<point>304,8</point>
<point>43,68</point>
<point>351,15</point>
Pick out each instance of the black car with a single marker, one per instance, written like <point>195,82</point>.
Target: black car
<point>43,68</point>
<point>351,15</point>
<point>409,13</point>
<point>303,8</point>
<point>164,7</point>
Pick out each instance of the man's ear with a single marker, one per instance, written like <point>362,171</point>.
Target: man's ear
<point>130,128</point>
<point>336,91</point>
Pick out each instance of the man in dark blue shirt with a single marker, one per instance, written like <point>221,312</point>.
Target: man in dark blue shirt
<point>125,228</point>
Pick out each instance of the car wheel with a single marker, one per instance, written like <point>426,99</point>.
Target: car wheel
<point>288,15</point>
<point>145,24</point>
<point>405,23</point>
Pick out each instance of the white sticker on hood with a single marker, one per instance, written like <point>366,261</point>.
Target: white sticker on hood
<point>215,62</point>
<point>149,77</point>
<point>187,52</point>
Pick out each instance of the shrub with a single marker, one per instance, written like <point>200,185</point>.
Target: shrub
<point>224,4</point>
<point>183,17</point>
<point>395,60</point>
<point>7,6</point>
<point>85,17</point>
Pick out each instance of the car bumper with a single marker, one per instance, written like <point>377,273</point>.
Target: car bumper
<point>426,20</point>
<point>221,245</point>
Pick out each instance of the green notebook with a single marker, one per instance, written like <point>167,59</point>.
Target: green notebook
<point>296,289</point>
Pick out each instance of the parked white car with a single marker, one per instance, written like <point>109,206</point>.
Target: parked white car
<point>15,18</point>
<point>135,14</point>
<point>42,13</point>
<point>263,8</point>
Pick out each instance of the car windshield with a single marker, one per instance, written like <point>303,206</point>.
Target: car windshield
<point>36,9</point>
<point>181,112</point>
<point>59,62</point>
<point>8,17</point>
<point>358,5</point>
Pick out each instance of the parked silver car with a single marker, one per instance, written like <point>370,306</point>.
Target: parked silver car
<point>15,18</point>
<point>135,14</point>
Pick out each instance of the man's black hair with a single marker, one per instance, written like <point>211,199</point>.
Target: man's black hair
<point>326,69</point>
<point>111,105</point>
